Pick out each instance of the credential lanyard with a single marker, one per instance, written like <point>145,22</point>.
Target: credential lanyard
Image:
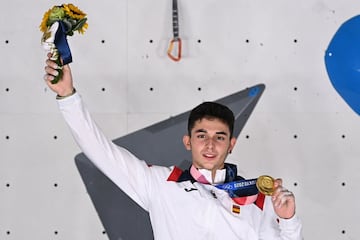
<point>175,53</point>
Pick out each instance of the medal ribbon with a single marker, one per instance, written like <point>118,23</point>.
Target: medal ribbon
<point>240,188</point>
<point>242,192</point>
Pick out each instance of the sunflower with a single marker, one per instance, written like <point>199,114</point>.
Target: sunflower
<point>83,28</point>
<point>43,26</point>
<point>54,14</point>
<point>69,14</point>
<point>73,11</point>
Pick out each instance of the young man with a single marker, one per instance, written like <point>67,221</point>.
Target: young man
<point>183,204</point>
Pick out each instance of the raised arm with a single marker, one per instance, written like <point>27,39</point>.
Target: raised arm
<point>128,172</point>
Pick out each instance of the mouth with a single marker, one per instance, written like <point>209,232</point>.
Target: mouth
<point>209,156</point>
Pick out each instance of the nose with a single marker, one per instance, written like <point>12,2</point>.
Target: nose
<point>210,143</point>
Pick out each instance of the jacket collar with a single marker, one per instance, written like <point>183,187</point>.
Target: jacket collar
<point>177,175</point>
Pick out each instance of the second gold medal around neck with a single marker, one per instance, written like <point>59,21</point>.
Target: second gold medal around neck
<point>265,185</point>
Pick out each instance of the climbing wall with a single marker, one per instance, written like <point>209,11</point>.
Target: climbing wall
<point>301,130</point>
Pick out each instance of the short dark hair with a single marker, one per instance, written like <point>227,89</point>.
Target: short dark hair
<point>210,110</point>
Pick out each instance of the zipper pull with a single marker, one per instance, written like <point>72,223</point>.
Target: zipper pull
<point>213,193</point>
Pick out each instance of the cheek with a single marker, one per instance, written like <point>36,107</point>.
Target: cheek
<point>226,148</point>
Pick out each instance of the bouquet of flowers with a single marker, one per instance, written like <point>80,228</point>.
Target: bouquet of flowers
<point>58,23</point>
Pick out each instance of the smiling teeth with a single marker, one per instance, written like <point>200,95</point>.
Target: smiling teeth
<point>209,155</point>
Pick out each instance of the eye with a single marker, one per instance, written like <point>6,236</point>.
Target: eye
<point>220,138</point>
<point>201,136</point>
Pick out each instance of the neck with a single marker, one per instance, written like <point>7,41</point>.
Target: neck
<point>213,174</point>
<point>208,176</point>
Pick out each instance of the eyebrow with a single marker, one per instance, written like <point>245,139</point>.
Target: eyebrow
<point>204,131</point>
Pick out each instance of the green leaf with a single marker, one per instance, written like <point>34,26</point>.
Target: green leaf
<point>68,26</point>
<point>80,24</point>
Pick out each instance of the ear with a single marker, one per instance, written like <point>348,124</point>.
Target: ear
<point>186,141</point>
<point>232,144</point>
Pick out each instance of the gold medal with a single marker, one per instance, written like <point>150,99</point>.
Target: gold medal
<point>265,184</point>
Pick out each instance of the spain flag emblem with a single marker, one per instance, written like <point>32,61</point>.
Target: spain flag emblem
<point>236,209</point>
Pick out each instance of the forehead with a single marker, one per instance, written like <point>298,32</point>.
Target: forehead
<point>211,124</point>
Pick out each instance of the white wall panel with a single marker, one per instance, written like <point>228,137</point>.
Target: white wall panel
<point>122,71</point>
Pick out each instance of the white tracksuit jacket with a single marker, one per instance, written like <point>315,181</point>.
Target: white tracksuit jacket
<point>175,214</point>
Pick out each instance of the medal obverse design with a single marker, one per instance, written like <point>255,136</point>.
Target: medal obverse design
<point>265,185</point>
